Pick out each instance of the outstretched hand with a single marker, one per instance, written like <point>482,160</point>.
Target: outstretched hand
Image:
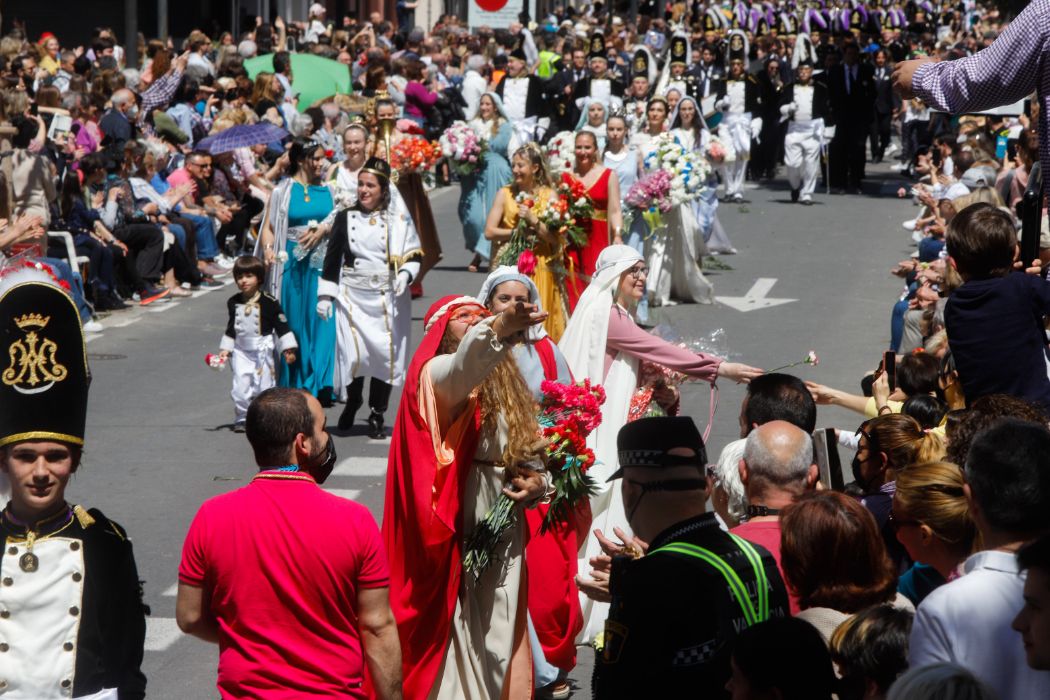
<point>738,372</point>
<point>518,318</point>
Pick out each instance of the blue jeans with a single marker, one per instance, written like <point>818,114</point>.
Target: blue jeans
<point>76,285</point>
<point>207,245</point>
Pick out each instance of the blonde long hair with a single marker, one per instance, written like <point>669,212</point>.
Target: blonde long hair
<point>504,393</point>
<point>534,154</point>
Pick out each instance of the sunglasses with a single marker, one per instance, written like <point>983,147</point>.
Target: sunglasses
<point>469,316</point>
<point>897,524</point>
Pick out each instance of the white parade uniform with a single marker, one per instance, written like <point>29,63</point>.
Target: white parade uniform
<point>735,132</point>
<point>366,252</point>
<point>250,341</point>
<point>804,139</point>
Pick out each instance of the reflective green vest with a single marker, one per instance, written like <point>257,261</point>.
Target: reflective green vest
<point>545,68</point>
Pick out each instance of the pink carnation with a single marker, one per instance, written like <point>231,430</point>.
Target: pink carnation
<point>527,262</point>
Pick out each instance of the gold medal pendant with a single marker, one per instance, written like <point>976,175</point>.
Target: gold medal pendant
<point>372,221</point>
<point>29,562</point>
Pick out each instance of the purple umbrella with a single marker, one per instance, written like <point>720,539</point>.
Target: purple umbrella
<point>242,135</point>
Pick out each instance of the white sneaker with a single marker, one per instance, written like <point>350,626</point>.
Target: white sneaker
<point>892,148</point>
<point>917,236</point>
<point>92,326</point>
<point>908,225</point>
<point>224,262</point>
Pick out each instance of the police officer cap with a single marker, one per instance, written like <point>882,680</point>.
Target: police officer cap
<point>647,442</point>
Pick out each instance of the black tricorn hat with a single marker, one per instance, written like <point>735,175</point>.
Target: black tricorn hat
<point>378,167</point>
<point>44,374</point>
<point>596,46</point>
<point>647,443</point>
<point>640,64</point>
<point>679,49</point>
<point>519,53</point>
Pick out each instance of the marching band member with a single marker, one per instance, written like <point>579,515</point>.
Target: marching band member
<point>804,105</point>
<point>739,104</point>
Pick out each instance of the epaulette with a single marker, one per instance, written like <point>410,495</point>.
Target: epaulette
<point>95,516</point>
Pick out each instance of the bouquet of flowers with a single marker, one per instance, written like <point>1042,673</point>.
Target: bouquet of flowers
<point>716,150</point>
<point>688,171</point>
<point>652,378</point>
<point>519,249</point>
<point>568,414</point>
<point>561,153</point>
<point>574,205</point>
<point>414,155</point>
<point>651,196</point>
<point>464,146</point>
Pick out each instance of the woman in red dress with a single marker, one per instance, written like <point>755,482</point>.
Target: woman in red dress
<point>604,193</point>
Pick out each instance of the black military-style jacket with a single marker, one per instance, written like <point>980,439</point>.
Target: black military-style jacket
<point>673,618</point>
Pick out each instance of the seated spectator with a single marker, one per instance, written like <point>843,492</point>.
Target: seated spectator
<point>944,681</point>
<point>995,319</point>
<point>1031,622</point>
<point>144,241</point>
<point>967,621</point>
<point>870,650</point>
<point>777,468</point>
<point>834,560</point>
<point>118,123</point>
<point>32,175</point>
<point>932,520</point>
<point>781,658</point>
<point>916,374</point>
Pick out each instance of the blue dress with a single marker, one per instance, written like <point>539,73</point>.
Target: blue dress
<point>314,367</point>
<point>479,191</point>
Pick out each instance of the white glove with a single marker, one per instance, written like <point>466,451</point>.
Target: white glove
<point>723,104</point>
<point>324,308</point>
<point>786,110</point>
<point>401,283</point>
<point>829,132</point>
<point>756,128</point>
<point>794,107</point>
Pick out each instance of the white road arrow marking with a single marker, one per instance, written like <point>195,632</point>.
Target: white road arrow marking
<point>756,297</point>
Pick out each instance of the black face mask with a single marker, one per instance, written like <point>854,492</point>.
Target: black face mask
<point>323,461</point>
<point>865,485</point>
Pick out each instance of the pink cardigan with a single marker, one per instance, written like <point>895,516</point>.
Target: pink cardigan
<point>626,336</point>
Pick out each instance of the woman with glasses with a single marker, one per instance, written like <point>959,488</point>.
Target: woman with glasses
<point>291,225</point>
<point>931,519</point>
<point>465,433</point>
<point>373,255</point>
<point>888,444</point>
<point>604,344</point>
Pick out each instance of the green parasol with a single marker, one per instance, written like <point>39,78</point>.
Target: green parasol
<point>315,77</point>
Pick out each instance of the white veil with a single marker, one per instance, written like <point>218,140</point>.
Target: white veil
<point>509,273</point>
<point>584,347</point>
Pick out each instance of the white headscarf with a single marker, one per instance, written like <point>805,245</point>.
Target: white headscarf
<point>509,273</point>
<point>584,347</point>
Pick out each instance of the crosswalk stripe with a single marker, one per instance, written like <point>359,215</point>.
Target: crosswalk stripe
<point>161,633</point>
<point>361,466</point>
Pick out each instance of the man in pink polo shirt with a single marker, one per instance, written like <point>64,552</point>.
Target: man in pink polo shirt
<point>289,580</point>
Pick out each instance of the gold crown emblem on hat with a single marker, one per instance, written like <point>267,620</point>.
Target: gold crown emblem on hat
<point>32,321</point>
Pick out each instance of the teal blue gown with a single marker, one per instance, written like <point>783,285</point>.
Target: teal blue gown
<point>314,367</point>
<point>479,189</point>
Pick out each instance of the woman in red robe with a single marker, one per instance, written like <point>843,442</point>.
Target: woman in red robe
<point>605,226</point>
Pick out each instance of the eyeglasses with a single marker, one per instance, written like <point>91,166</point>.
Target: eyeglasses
<point>638,272</point>
<point>469,316</point>
<point>897,524</point>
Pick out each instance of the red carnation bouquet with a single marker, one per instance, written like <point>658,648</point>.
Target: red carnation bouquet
<point>568,414</point>
<point>414,155</point>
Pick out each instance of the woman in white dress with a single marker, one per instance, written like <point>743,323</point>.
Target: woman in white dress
<point>689,128</point>
<point>676,248</point>
<point>373,256</point>
<point>342,176</point>
<point>604,344</point>
<point>655,117</point>
<point>625,160</point>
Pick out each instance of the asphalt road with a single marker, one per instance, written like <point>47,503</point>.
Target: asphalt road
<point>158,443</point>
